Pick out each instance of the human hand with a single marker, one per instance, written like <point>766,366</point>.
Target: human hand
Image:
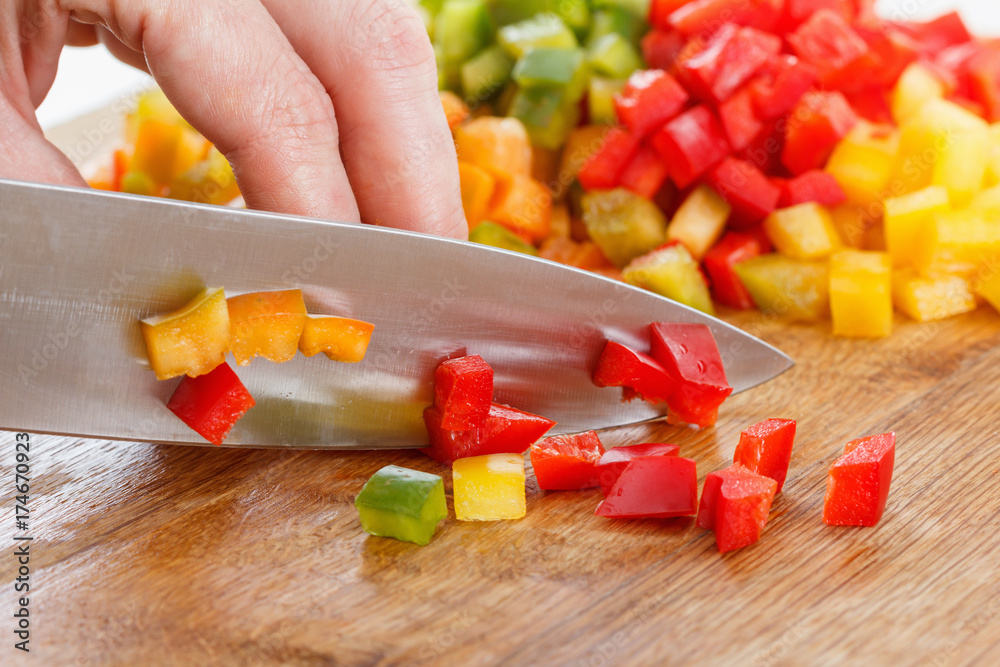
<point>324,108</point>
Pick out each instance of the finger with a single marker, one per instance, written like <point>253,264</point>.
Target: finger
<point>81,34</point>
<point>126,54</point>
<point>376,62</point>
<point>231,73</point>
<point>42,32</point>
<point>25,155</point>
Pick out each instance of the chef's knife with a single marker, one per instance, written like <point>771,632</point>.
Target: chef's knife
<point>80,268</point>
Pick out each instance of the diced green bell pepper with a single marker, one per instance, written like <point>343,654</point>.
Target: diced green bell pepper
<point>462,29</point>
<point>614,20</point>
<point>486,73</point>
<point>402,503</point>
<point>639,8</point>
<point>541,30</point>
<point>498,236</point>
<point>614,56</point>
<point>574,13</point>
<point>550,67</point>
<point>549,115</point>
<point>601,99</point>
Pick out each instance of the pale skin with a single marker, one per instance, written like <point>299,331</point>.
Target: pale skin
<point>325,108</point>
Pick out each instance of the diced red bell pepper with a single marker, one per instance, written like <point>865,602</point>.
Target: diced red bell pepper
<point>735,503</point>
<point>746,188</point>
<point>984,82</point>
<point>653,487</point>
<point>615,460</point>
<point>567,462</point>
<point>649,99</point>
<point>944,31</point>
<point>661,47</point>
<point>729,58</point>
<point>645,174</point>
<point>603,169</point>
<point>706,16</point>
<point>799,11</point>
<point>720,263</point>
<point>463,392</point>
<point>690,356</point>
<point>812,186</point>
<point>765,151</point>
<point>780,85</point>
<point>828,42</point>
<point>872,105</point>
<point>893,48</point>
<point>766,449</point>
<point>506,430</point>
<point>739,119</point>
<point>818,122</point>
<point>660,11</point>
<point>858,483</point>
<point>620,366</point>
<point>211,403</point>
<point>691,144</point>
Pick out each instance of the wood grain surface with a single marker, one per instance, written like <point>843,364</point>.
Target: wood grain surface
<point>167,555</point>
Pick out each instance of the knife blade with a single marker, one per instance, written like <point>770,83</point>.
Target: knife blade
<point>80,268</point>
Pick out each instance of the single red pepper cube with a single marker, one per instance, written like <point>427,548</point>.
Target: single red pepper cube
<point>799,11</point>
<point>657,487</point>
<point>645,174</point>
<point>463,392</point>
<point>211,403</point>
<point>660,11</point>
<point>729,58</point>
<point>603,169</point>
<point>706,16</point>
<point>649,99</point>
<point>739,119</point>
<point>615,460</point>
<point>828,42</point>
<point>780,85</point>
<point>735,503</point>
<point>818,122</point>
<point>506,430</point>
<point>873,105</point>
<point>944,31</point>
<point>748,191</point>
<point>812,186</point>
<point>621,366</point>
<point>720,263</point>
<point>765,151</point>
<point>660,48</point>
<point>691,144</point>
<point>766,448</point>
<point>858,483</point>
<point>567,462</point>
<point>690,356</point>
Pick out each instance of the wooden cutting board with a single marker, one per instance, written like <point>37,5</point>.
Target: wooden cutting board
<point>168,555</point>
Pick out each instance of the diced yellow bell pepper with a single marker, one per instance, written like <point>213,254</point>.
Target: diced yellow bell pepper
<point>861,294</point>
<point>958,242</point>
<point>478,186</point>
<point>622,224</point>
<point>906,219</point>
<point>931,298</point>
<point>993,170</point>
<point>864,160</point>
<point>851,222</point>
<point>489,488</point>
<point>266,324</point>
<point>339,338</point>
<point>672,272</point>
<point>192,340</point>
<point>988,286</point>
<point>795,288</point>
<point>699,221</point>
<point>915,87</point>
<point>805,231</point>
<point>211,181</point>
<point>988,200</point>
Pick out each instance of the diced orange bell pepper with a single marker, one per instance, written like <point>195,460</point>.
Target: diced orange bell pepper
<point>102,179</point>
<point>805,231</point>
<point>499,145</point>
<point>478,186</point>
<point>581,143</point>
<point>156,149</point>
<point>339,338</point>
<point>545,165</point>
<point>861,294</point>
<point>455,110</point>
<point>561,223</point>
<point>266,324</point>
<point>192,340</point>
<point>523,205</point>
<point>120,166</point>
<point>584,255</point>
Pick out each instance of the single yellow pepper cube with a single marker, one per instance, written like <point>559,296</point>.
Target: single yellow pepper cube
<point>795,288</point>
<point>861,294</point>
<point>805,231</point>
<point>958,242</point>
<point>699,221</point>
<point>864,160</point>
<point>192,340</point>
<point>943,144</point>
<point>926,298</point>
<point>489,488</point>
<point>915,87</point>
<point>906,219</point>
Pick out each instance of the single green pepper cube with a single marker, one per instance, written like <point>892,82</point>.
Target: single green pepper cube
<point>489,487</point>
<point>601,99</point>
<point>486,73</point>
<point>548,114</point>
<point>546,66</point>
<point>615,20</point>
<point>498,236</point>
<point>574,13</point>
<point>462,29</point>
<point>542,30</point>
<point>402,503</point>
<point>613,56</point>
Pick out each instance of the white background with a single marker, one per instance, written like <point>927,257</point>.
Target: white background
<point>91,78</point>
